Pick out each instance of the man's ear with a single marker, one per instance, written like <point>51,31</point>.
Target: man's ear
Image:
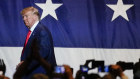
<point>36,17</point>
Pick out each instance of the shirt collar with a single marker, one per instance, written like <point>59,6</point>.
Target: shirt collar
<point>33,27</point>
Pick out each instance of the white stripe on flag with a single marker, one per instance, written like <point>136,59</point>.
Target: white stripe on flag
<point>74,57</point>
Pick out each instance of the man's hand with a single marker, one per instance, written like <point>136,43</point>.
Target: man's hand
<point>116,70</point>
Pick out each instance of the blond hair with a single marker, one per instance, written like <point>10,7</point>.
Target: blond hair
<point>33,9</point>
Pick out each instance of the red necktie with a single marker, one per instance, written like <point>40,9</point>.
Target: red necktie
<point>27,38</point>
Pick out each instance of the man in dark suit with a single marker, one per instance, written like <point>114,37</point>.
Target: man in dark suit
<point>44,40</point>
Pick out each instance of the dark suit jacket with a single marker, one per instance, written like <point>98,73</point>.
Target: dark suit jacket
<point>46,49</point>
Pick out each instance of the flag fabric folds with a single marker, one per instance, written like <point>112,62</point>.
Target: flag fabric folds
<point>81,23</point>
<point>100,24</point>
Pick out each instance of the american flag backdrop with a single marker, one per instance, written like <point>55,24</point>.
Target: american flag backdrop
<point>106,30</point>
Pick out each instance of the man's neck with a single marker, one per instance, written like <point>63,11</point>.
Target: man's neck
<point>33,27</point>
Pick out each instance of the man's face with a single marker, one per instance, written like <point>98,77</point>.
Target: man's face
<point>29,19</point>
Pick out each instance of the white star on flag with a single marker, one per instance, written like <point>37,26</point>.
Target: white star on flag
<point>120,9</point>
<point>48,8</point>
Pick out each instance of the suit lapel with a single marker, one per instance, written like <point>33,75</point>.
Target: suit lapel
<point>34,33</point>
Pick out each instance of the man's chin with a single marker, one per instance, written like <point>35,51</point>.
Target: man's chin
<point>27,26</point>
